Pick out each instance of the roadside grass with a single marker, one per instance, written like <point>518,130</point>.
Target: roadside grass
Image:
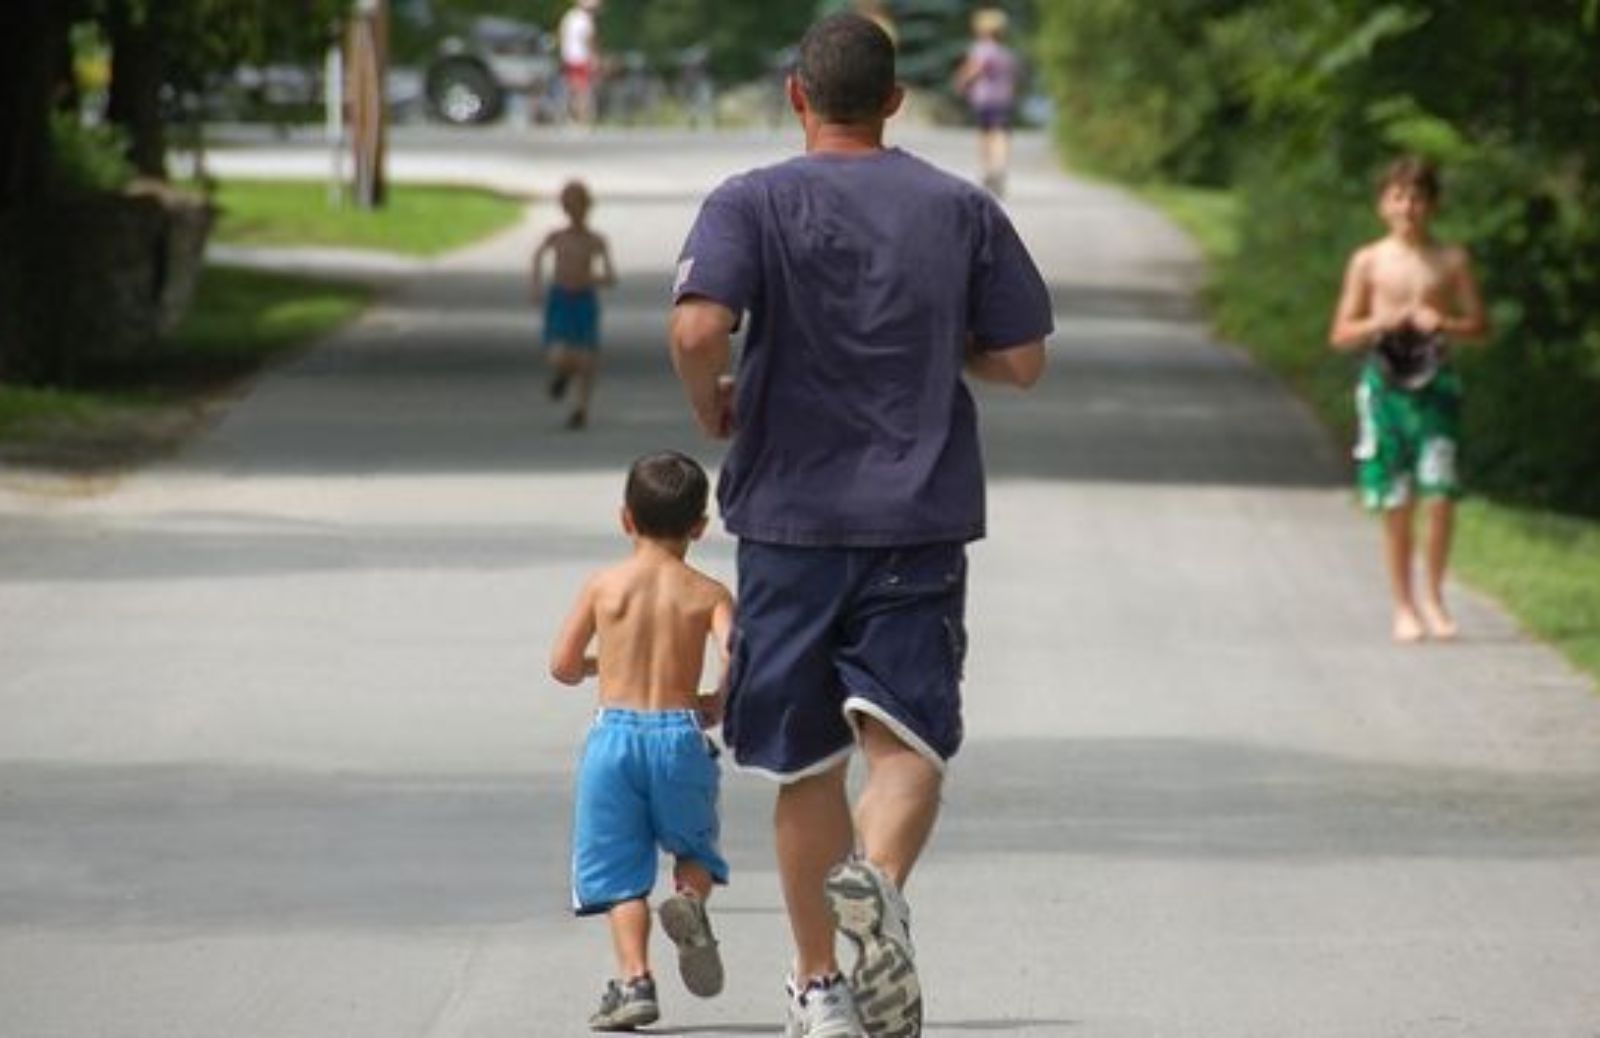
<point>125,413</point>
<point>244,317</point>
<point>1544,567</point>
<point>24,407</point>
<point>1210,215</point>
<point>417,220</point>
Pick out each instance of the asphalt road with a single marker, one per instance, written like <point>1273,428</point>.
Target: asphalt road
<point>278,756</point>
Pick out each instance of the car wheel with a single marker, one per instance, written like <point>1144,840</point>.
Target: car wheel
<point>463,93</point>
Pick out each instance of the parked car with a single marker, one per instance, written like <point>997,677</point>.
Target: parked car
<point>472,74</point>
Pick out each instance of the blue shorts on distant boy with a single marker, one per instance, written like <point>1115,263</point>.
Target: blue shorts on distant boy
<point>572,318</point>
<point>647,783</point>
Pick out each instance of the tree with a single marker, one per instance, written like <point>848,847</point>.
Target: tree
<point>165,49</point>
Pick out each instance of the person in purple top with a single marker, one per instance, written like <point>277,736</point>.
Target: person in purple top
<point>873,286</point>
<point>988,79</point>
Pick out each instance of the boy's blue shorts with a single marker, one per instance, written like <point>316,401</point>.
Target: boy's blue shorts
<point>572,318</point>
<point>646,780</point>
<point>825,634</point>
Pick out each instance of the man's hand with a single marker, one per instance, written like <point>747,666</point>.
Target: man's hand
<point>709,708</point>
<point>1020,365</point>
<point>722,421</point>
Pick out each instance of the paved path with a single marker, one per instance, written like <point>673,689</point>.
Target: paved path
<point>278,757</point>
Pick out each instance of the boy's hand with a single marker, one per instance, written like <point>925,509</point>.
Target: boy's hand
<point>1426,319</point>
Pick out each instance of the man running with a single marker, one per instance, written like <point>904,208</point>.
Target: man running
<point>872,282</point>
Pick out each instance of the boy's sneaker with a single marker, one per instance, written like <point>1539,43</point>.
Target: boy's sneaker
<point>558,385</point>
<point>870,911</point>
<point>683,917</point>
<point>626,1005</point>
<point>822,1009</point>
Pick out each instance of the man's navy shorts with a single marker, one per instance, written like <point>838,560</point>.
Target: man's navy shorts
<point>823,635</point>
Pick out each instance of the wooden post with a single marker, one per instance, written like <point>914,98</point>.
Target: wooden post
<point>367,44</point>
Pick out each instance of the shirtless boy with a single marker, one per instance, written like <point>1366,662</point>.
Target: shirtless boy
<point>649,776</point>
<point>1406,299</point>
<point>582,264</point>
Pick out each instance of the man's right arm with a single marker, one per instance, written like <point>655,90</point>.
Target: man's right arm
<point>1020,365</point>
<point>701,336</point>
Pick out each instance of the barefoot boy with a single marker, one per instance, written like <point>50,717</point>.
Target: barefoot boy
<point>649,777</point>
<point>572,302</point>
<point>1406,297</point>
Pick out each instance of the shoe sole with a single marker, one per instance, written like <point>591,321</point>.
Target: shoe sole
<point>884,980</point>
<point>628,1018</point>
<point>830,1031</point>
<point>699,961</point>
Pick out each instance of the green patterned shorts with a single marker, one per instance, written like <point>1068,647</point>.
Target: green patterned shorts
<point>1407,440</point>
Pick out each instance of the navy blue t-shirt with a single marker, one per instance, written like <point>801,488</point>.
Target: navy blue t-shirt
<point>863,277</point>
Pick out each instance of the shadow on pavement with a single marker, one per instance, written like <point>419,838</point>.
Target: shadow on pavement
<point>224,848</point>
<point>447,378</point>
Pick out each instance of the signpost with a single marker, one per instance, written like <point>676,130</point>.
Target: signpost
<point>366,65</point>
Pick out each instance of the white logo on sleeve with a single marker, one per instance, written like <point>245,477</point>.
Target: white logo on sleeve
<point>685,268</point>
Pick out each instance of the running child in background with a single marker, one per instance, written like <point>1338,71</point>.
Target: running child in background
<point>1406,299</point>
<point>582,266</point>
<point>649,775</point>
<point>988,80</point>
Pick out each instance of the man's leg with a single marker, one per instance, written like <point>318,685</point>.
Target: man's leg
<point>898,804</point>
<point>813,834</point>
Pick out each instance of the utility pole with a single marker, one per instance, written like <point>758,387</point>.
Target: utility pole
<point>367,47</point>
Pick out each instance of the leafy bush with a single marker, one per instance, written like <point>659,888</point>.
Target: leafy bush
<point>1297,104</point>
<point>88,158</point>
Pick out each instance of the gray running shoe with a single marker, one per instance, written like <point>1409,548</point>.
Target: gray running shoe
<point>683,917</point>
<point>822,1009</point>
<point>871,912</point>
<point>627,1005</point>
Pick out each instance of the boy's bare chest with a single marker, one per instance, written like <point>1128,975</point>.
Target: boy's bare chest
<point>1404,277</point>
<point>575,246</point>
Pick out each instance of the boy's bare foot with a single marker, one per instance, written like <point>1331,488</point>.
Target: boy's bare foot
<point>1408,627</point>
<point>1440,623</point>
<point>578,420</point>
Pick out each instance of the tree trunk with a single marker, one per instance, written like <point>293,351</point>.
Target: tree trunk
<point>137,73</point>
<point>32,33</point>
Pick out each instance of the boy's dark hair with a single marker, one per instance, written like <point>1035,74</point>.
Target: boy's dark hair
<point>1414,172</point>
<point>846,68</point>
<point>666,494</point>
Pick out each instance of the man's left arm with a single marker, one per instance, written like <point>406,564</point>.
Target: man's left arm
<point>1011,308</point>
